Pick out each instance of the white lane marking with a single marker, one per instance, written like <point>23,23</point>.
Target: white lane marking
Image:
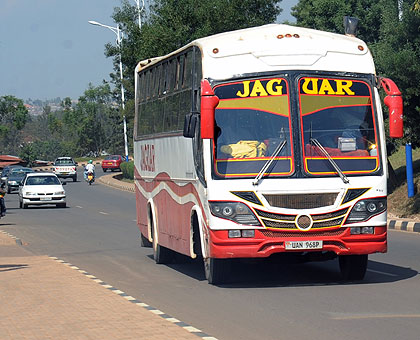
<point>78,206</point>
<point>375,316</point>
<point>103,213</point>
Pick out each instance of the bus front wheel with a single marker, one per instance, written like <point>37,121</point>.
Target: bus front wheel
<point>353,267</point>
<point>216,270</point>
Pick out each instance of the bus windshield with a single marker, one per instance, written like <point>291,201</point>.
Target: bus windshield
<point>252,120</point>
<point>337,116</point>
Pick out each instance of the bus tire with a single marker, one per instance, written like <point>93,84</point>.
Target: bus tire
<point>216,270</point>
<point>161,254</point>
<point>353,267</point>
<point>196,237</point>
<point>144,242</point>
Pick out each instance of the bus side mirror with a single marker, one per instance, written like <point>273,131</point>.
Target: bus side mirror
<point>208,105</point>
<point>395,106</point>
<point>190,123</point>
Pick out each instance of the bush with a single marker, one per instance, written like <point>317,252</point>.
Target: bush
<point>127,169</point>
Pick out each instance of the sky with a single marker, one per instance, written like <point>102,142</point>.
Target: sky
<point>48,49</point>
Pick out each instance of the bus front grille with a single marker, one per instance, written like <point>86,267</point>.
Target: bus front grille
<point>301,201</point>
<point>281,234</point>
<point>293,222</point>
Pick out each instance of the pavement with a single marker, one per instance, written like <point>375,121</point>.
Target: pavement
<point>43,297</point>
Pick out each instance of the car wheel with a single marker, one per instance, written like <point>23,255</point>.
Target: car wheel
<point>75,179</point>
<point>104,170</point>
<point>61,205</point>
<point>20,204</point>
<point>8,190</point>
<point>25,206</point>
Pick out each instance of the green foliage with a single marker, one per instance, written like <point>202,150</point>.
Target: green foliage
<point>174,23</point>
<point>327,15</point>
<point>127,169</point>
<point>90,127</point>
<point>13,116</point>
<point>28,154</point>
<point>397,56</point>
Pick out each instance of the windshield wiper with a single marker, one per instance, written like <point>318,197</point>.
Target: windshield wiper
<point>268,163</point>
<point>334,164</point>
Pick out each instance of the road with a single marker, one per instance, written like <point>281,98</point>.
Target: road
<point>97,232</point>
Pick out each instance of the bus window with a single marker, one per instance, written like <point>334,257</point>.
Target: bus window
<point>188,69</point>
<point>249,129</point>
<point>181,71</point>
<point>338,114</point>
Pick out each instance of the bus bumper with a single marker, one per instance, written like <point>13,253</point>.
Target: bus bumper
<point>268,242</point>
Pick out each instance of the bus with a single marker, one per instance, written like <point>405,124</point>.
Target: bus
<point>260,142</point>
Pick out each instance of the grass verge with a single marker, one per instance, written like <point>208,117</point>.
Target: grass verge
<point>399,204</point>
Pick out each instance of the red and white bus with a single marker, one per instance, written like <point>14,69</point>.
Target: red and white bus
<point>262,141</point>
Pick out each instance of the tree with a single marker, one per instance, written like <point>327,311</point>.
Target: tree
<point>172,24</point>
<point>397,57</point>
<point>416,6</point>
<point>13,116</point>
<point>327,15</point>
<point>95,116</point>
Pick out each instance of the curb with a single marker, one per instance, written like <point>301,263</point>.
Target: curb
<point>139,303</point>
<point>110,181</point>
<point>404,225</point>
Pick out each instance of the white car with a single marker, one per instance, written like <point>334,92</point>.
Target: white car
<point>65,167</point>
<point>39,188</point>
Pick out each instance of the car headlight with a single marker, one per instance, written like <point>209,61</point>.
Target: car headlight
<point>12,183</point>
<point>60,193</point>
<point>29,193</point>
<point>365,209</point>
<point>234,211</point>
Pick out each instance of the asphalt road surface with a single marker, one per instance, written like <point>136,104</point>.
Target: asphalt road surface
<point>267,300</point>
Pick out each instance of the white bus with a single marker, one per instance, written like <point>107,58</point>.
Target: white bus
<point>263,141</point>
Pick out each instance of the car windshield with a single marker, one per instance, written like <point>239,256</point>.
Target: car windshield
<point>6,171</point>
<point>337,115</point>
<point>20,172</point>
<point>252,120</point>
<point>64,162</point>
<point>42,180</point>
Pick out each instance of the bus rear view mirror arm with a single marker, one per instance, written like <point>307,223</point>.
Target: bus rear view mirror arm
<point>208,105</point>
<point>394,102</point>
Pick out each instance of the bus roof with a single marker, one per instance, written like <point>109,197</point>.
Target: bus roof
<point>277,47</point>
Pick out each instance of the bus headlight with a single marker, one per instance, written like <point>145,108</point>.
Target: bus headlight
<point>234,211</point>
<point>365,209</point>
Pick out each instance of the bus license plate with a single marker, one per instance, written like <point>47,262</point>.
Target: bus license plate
<point>297,245</point>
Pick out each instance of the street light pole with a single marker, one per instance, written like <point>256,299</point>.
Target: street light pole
<point>139,10</point>
<point>119,35</point>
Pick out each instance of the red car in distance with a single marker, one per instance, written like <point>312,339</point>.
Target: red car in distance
<point>112,162</point>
